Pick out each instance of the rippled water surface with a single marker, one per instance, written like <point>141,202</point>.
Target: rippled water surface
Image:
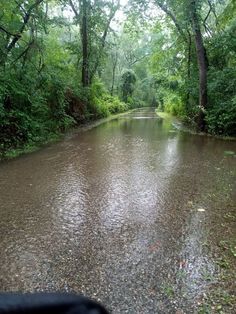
<point>113,213</point>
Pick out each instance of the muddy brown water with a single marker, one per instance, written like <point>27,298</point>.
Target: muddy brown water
<point>112,213</point>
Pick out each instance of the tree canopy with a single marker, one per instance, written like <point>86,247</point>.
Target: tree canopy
<point>66,61</point>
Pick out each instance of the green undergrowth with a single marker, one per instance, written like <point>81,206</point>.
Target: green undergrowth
<point>103,104</point>
<point>31,122</point>
<point>188,125</point>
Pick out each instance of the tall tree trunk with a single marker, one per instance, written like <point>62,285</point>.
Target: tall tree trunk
<point>172,16</point>
<point>103,39</point>
<point>114,72</point>
<point>84,34</point>
<point>83,17</point>
<point>189,53</point>
<point>202,65</point>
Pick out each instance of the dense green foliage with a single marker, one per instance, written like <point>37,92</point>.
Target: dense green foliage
<point>128,80</point>
<point>63,62</point>
<point>173,61</point>
<point>41,92</point>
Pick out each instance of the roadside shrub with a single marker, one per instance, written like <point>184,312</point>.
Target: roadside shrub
<point>222,119</point>
<point>106,105</point>
<point>173,104</point>
<point>101,104</point>
<point>30,111</point>
<point>115,105</point>
<point>99,108</point>
<point>221,114</point>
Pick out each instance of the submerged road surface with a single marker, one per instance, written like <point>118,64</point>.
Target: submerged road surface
<point>133,213</point>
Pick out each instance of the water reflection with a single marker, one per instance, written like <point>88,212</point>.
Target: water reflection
<point>112,212</point>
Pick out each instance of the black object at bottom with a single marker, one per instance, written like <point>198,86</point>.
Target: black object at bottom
<point>48,303</point>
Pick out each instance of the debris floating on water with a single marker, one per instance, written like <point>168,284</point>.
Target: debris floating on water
<point>201,210</point>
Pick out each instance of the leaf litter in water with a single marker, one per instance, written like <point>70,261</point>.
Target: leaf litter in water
<point>201,210</point>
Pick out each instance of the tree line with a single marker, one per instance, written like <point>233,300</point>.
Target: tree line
<point>63,62</point>
<point>193,61</point>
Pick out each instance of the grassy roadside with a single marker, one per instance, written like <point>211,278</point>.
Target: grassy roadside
<point>186,128</point>
<point>220,296</point>
<point>55,137</point>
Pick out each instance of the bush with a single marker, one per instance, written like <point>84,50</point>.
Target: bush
<point>99,108</point>
<point>221,114</point>
<point>29,114</point>
<point>222,119</point>
<point>101,104</point>
<point>173,104</point>
<point>106,105</point>
<point>115,105</point>
<point>128,80</point>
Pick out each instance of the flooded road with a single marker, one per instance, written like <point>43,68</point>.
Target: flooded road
<point>133,213</point>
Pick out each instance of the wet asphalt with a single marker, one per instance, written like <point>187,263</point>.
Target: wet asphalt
<point>129,213</point>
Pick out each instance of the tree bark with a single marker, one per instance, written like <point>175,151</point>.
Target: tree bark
<point>171,15</point>
<point>13,37</point>
<point>189,53</point>
<point>83,17</point>
<point>84,39</point>
<point>202,65</point>
<point>23,26</point>
<point>103,39</point>
<point>114,72</point>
